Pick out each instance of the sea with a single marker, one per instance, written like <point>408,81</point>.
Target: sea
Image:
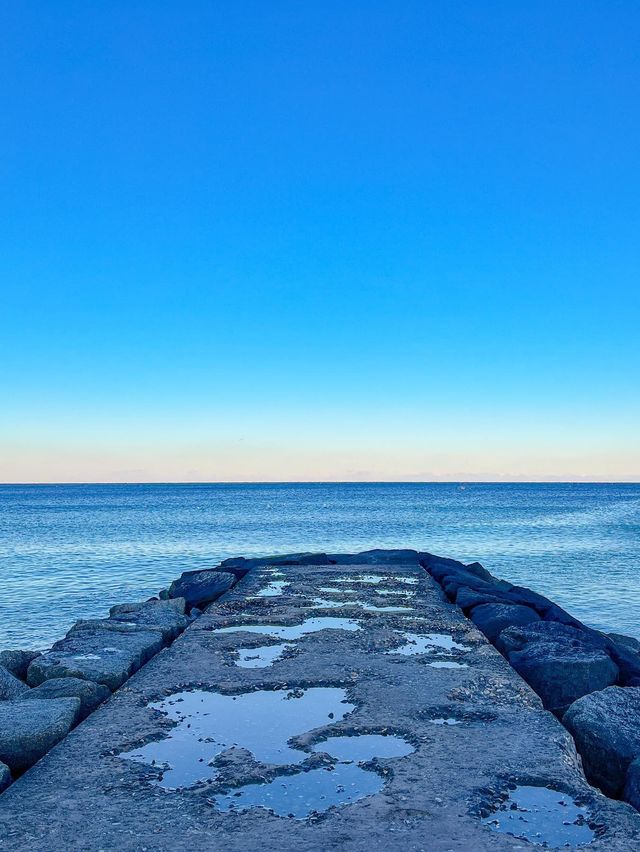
<point>72,551</point>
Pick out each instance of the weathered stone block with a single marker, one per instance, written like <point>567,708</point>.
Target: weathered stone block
<point>167,616</point>
<point>28,729</point>
<point>91,694</point>
<point>562,675</point>
<point>201,587</point>
<point>17,662</point>
<point>10,686</point>
<point>491,619</point>
<point>605,726</point>
<point>102,651</point>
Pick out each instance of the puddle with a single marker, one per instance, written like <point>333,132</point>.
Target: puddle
<point>260,657</point>
<point>427,643</point>
<point>542,816</point>
<point>447,664</point>
<point>331,590</point>
<point>442,721</point>
<point>327,604</point>
<point>295,631</point>
<point>363,747</point>
<point>317,790</point>
<point>272,590</point>
<point>262,722</point>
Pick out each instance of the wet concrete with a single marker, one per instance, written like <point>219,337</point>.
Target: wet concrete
<point>341,740</point>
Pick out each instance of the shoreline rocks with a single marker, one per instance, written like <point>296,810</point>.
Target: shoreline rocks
<point>29,729</point>
<point>606,728</point>
<point>589,680</point>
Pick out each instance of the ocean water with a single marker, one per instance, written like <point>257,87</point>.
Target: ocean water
<point>71,551</point>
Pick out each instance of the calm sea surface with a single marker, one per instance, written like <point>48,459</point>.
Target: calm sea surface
<point>68,552</point>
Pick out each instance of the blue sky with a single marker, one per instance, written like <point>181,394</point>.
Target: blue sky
<point>338,240</point>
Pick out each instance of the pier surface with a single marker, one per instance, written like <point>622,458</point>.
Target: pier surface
<point>356,710</point>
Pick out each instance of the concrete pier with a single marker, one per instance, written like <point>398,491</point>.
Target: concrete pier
<point>319,707</point>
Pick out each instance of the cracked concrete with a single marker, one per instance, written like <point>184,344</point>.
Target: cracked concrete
<point>84,796</point>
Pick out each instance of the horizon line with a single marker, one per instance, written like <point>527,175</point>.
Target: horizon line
<point>459,481</point>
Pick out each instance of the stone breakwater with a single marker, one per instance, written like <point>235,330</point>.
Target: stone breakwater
<point>587,679</point>
<point>324,701</point>
<point>45,694</point>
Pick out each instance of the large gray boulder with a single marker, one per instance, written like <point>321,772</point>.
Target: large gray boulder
<point>29,729</point>
<point>103,651</point>
<point>492,618</point>
<point>551,633</point>
<point>606,728</point>
<point>201,587</point>
<point>5,777</point>
<point>17,662</point>
<point>167,616</point>
<point>10,686</point>
<point>561,676</point>
<point>91,694</point>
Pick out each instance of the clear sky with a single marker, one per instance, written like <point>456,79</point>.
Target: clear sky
<point>319,240</point>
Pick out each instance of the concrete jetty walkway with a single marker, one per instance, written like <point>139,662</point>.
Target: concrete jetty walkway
<point>312,708</point>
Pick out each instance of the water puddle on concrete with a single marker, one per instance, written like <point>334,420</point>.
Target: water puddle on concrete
<point>295,631</point>
<point>427,643</point>
<point>376,579</point>
<point>447,664</point>
<point>274,589</point>
<point>329,604</point>
<point>544,817</point>
<point>209,723</point>
<point>443,721</point>
<point>317,790</point>
<point>260,657</point>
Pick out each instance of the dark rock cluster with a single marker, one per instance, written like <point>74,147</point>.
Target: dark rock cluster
<point>43,695</point>
<point>589,680</point>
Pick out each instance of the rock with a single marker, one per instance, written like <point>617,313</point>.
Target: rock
<point>29,729</point>
<point>10,686</point>
<point>563,635</point>
<point>201,587</point>
<point>371,557</point>
<point>163,594</point>
<point>17,662</point>
<point>91,694</point>
<point>5,777</point>
<point>562,675</point>
<point>166,616</point>
<point>618,638</point>
<point>467,598</point>
<point>440,567</point>
<point>491,619</point>
<point>607,734</point>
<point>106,652</point>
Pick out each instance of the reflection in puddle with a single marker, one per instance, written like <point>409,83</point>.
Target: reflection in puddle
<point>450,721</point>
<point>447,664</point>
<point>327,604</point>
<point>272,590</point>
<point>262,722</point>
<point>261,657</point>
<point>295,631</point>
<point>542,816</point>
<point>317,790</point>
<point>363,747</point>
<point>427,643</point>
